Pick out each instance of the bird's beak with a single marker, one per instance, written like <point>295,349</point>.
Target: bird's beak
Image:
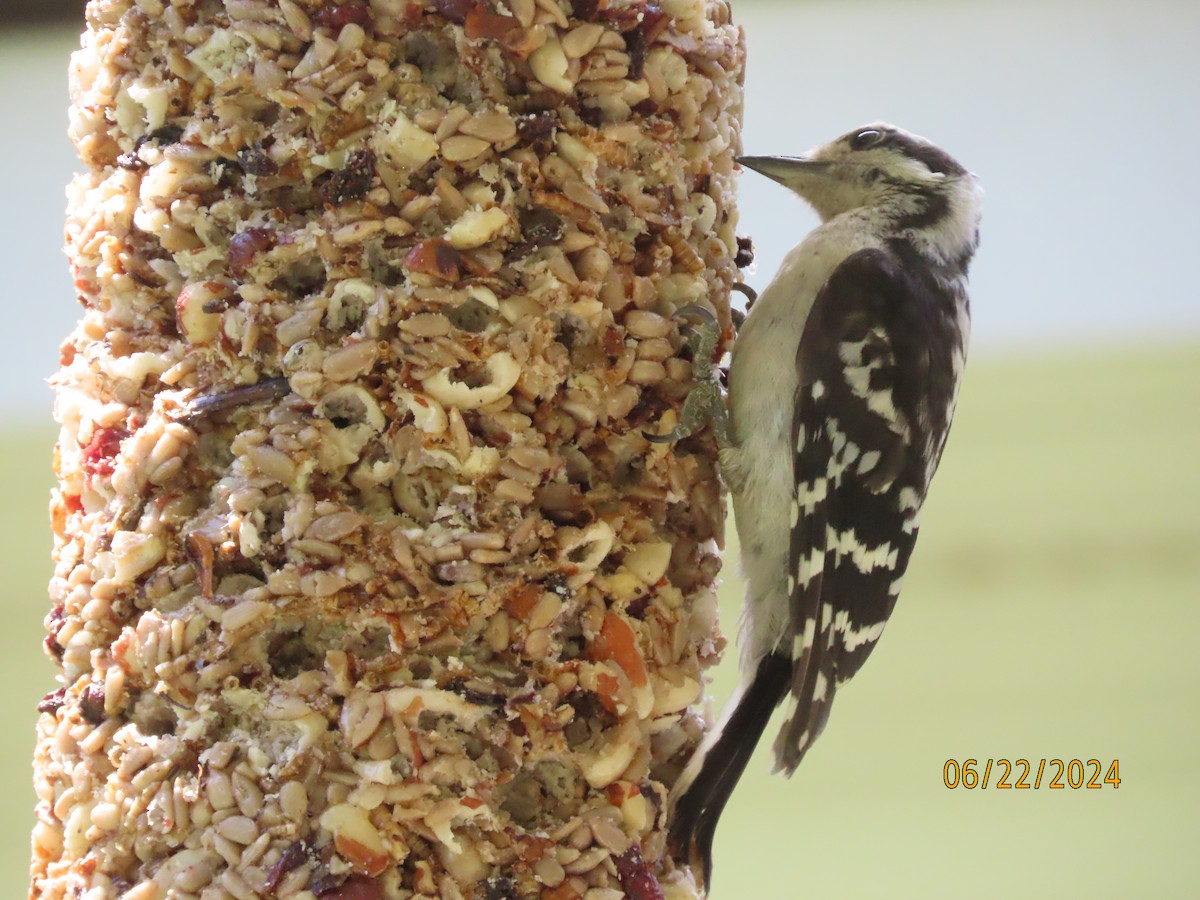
<point>784,169</point>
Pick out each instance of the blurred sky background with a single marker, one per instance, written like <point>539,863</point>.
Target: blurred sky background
<point>1055,598</point>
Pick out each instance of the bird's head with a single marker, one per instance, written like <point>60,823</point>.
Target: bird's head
<point>913,186</point>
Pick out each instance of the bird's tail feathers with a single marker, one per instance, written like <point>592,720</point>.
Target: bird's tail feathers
<point>700,795</point>
<point>813,688</point>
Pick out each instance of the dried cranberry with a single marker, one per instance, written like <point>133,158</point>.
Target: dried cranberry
<point>745,252</point>
<point>435,257</point>
<point>337,16</point>
<point>91,704</point>
<point>53,701</point>
<point>247,245</point>
<point>637,608</point>
<point>586,9</point>
<point>646,108</point>
<point>352,182</point>
<point>635,45</point>
<point>292,858</point>
<point>637,880</point>
<point>455,10</point>
<point>538,126</point>
<point>99,455</point>
<point>53,648</point>
<point>254,161</point>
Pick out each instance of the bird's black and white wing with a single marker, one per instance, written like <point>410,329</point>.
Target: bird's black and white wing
<point>873,407</point>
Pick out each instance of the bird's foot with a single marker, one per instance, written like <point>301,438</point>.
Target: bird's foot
<point>704,404</point>
<point>746,291</point>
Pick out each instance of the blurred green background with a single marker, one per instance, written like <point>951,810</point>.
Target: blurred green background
<point>1054,597</point>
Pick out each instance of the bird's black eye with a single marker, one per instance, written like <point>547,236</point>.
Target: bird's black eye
<point>868,137</point>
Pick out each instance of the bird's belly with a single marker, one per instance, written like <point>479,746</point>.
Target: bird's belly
<point>762,509</point>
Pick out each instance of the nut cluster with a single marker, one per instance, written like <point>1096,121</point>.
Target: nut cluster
<point>368,584</point>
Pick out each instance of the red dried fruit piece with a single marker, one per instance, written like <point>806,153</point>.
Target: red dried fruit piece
<point>641,26</point>
<point>654,21</point>
<point>418,757</point>
<point>435,257</point>
<point>99,455</point>
<point>623,18</point>
<point>355,888</point>
<point>352,182</point>
<point>537,126</point>
<point>337,16</point>
<point>245,246</point>
<point>361,857</point>
<point>53,701</point>
<point>637,880</point>
<point>636,44</point>
<point>618,643</point>
<point>481,23</point>
<point>91,704</point>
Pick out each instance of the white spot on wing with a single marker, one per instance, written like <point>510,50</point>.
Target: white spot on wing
<point>865,557</point>
<point>821,686</point>
<point>859,379</point>
<point>882,404</point>
<point>852,637</point>
<point>810,494</point>
<point>810,566</point>
<point>805,641</point>
<point>851,352</point>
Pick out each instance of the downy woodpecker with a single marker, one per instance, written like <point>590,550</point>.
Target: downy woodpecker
<point>841,388</point>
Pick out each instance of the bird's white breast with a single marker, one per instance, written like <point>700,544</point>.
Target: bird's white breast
<point>762,388</point>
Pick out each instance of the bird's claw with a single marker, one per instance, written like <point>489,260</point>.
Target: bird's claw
<point>704,402</point>
<point>746,291</point>
<point>695,311</point>
<point>675,434</point>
